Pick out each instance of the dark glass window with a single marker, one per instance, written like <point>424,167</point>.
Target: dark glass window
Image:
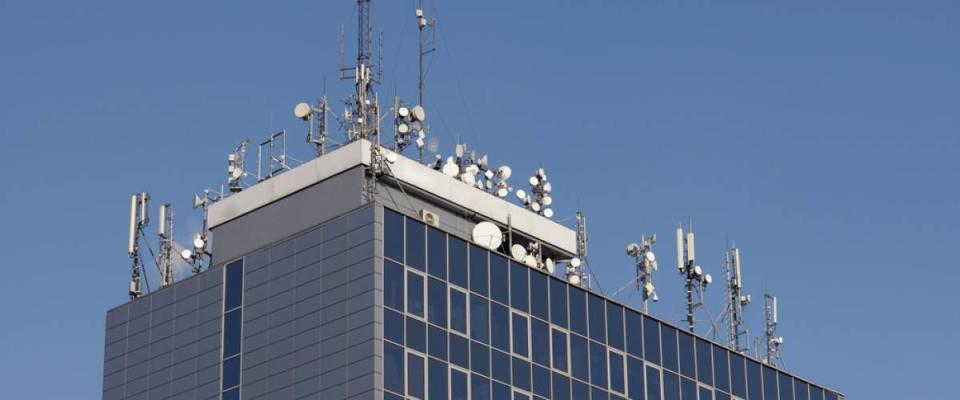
<point>231,332</point>
<point>437,302</point>
<point>738,376</point>
<point>541,381</point>
<point>437,342</point>
<point>615,326</point>
<point>499,279</point>
<point>769,383</point>
<point>519,298</point>
<point>233,297</point>
<point>704,363</point>
<point>416,244</point>
<point>459,351</point>
<point>415,375</point>
<point>579,358</point>
<point>393,361</point>
<point>478,270</point>
<point>651,340</point>
<point>616,373</point>
<point>634,322</point>
<point>479,317</point>
<point>597,317</point>
<point>688,359</point>
<point>500,327</point>
<point>578,310</point>
<point>393,326</point>
<point>705,394</point>
<point>816,393</point>
<point>416,335</point>
<point>559,345</point>
<point>801,389</point>
<point>521,335</point>
<point>458,385</point>
<point>829,395</point>
<point>500,391</point>
<point>653,383</point>
<point>688,389</point>
<point>520,396</point>
<point>521,374</point>
<point>479,388</point>
<point>438,379</point>
<point>598,394</point>
<point>579,390</point>
<point>414,294</point>
<point>500,366</point>
<point>231,372</point>
<point>786,387</point>
<point>721,396</point>
<point>668,343</point>
<point>538,294</point>
<point>598,365</point>
<point>558,302</point>
<point>635,378</point>
<point>561,387</point>
<point>457,264</point>
<point>393,285</point>
<point>721,369</point>
<point>458,311</point>
<point>479,358</point>
<point>393,235</point>
<point>233,394</point>
<point>754,383</point>
<point>436,253</point>
<point>671,386</point>
<point>540,340</point>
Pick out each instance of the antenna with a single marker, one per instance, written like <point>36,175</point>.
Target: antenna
<point>362,115</point>
<point>165,232</point>
<point>236,167</point>
<point>422,24</point>
<point>196,256</point>
<point>736,300</point>
<point>316,120</point>
<point>575,268</point>
<point>276,146</point>
<point>695,279</point>
<point>139,218</point>
<point>539,199</point>
<point>773,355</point>
<point>646,265</point>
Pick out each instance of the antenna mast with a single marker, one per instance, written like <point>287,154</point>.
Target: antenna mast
<point>736,300</point>
<point>165,231</point>
<point>646,264</point>
<point>362,116</point>
<point>575,268</point>
<point>770,327</point>
<point>695,279</point>
<point>139,218</point>
<point>422,24</point>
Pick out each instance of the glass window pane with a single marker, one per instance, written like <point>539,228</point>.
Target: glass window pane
<point>458,311</point>
<point>651,340</point>
<point>541,381</point>
<point>688,389</point>
<point>521,335</point>
<point>786,387</point>
<point>519,297</point>
<point>598,365</point>
<point>416,335</point>
<point>458,385</point>
<point>478,270</point>
<point>578,310</point>
<point>500,366</point>
<point>479,358</point>
<point>635,378</point>
<point>668,343</point>
<point>653,384</point>
<point>393,326</point>
<point>616,373</point>
<point>561,387</point>
<point>416,244</point>
<point>479,388</point>
<point>721,396</point>
<point>597,317</point>
<point>393,235</point>
<point>437,253</point>
<point>706,393</point>
<point>816,393</point>
<point>704,362</point>
<point>415,375</point>
<point>688,360</point>
<point>830,395</point>
<point>520,396</point>
<point>769,383</point>
<point>233,394</point>
<point>393,285</point>
<point>437,302</point>
<point>500,327</point>
<point>634,322</point>
<point>615,326</point>
<point>438,380</point>
<point>558,302</point>
<point>500,391</point>
<point>521,373</point>
<point>414,294</point>
<point>579,358</point>
<point>721,369</point>
<point>234,285</point>
<point>459,350</point>
<point>754,384</point>
<point>598,394</point>
<point>231,372</point>
<point>671,386</point>
<point>559,346</point>
<point>738,376</point>
<point>801,390</point>
<point>437,342</point>
<point>479,317</point>
<point>457,264</point>
<point>540,340</point>
<point>579,390</point>
<point>393,361</point>
<point>499,279</point>
<point>539,305</point>
<point>232,332</point>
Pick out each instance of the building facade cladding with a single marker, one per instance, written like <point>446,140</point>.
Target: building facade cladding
<point>462,322</point>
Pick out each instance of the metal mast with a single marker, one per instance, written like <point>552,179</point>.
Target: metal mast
<point>736,300</point>
<point>139,218</point>
<point>362,116</point>
<point>165,231</point>
<point>645,263</point>
<point>770,328</point>
<point>422,24</point>
<point>693,275</point>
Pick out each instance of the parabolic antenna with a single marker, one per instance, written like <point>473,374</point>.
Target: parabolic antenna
<point>391,157</point>
<point>550,265</point>
<point>650,257</point>
<point>530,261</point>
<point>575,262</point>
<point>186,254</point>
<point>518,252</point>
<point>403,112</point>
<point>468,178</point>
<point>502,192</point>
<point>574,279</point>
<point>547,200</point>
<point>547,187</point>
<point>487,235</point>
<point>302,110</point>
<point>534,181</point>
<point>418,113</point>
<point>198,241</point>
<point>521,194</point>
<point>633,249</point>
<point>548,213</point>
<point>237,173</point>
<point>451,169</point>
<point>504,172</point>
<point>403,128</point>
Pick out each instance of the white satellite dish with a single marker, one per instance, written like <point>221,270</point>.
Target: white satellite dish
<point>504,172</point>
<point>518,252</point>
<point>547,200</point>
<point>707,279</point>
<point>521,194</point>
<point>574,279</point>
<point>547,187</point>
<point>575,262</point>
<point>472,169</point>
<point>535,207</point>
<point>302,110</point>
<point>541,173</point>
<point>237,173</point>
<point>467,178</point>
<point>186,254</point>
<point>198,241</point>
<point>550,265</point>
<point>487,235</point>
<point>450,169</point>
<point>633,249</point>
<point>391,157</point>
<point>502,192</point>
<point>418,113</point>
<point>403,112</point>
<point>650,256</point>
<point>534,181</point>
<point>403,128</point>
<point>530,261</point>
<point>548,213</point>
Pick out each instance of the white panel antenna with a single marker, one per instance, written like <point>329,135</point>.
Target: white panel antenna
<point>696,281</point>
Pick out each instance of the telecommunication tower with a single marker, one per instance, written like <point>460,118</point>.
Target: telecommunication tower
<point>736,300</point>
<point>139,218</point>
<point>696,280</point>
<point>771,318</point>
<point>646,264</point>
<point>165,232</point>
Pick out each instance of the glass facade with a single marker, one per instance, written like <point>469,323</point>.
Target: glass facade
<point>232,330</point>
<point>461,322</point>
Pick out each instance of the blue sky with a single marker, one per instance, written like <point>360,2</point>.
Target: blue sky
<point>820,136</point>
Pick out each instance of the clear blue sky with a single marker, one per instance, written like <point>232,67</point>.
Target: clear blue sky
<point>821,136</point>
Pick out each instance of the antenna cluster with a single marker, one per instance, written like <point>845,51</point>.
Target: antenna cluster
<point>736,300</point>
<point>538,200</point>
<point>139,218</point>
<point>770,327</point>
<point>645,262</point>
<point>696,280</point>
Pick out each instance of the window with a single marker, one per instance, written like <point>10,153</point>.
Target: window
<point>233,290</point>
<point>414,294</point>
<point>459,350</point>
<point>393,235</point>
<point>578,310</point>
<point>635,378</point>
<point>738,381</point>
<point>479,387</point>
<point>769,383</point>
<point>540,342</point>
<point>704,363</point>
<point>519,298</point>
<point>521,335</point>
<point>231,333</point>
<point>671,386</point>
<point>458,385</point>
<point>499,279</point>
<point>786,387</point>
<point>479,317</point>
<point>754,384</point>
<point>457,262</point>
<point>561,387</point>
<point>500,366</point>
<point>416,245</point>
<point>232,328</point>
<point>616,373</point>
<point>579,390</point>
<point>816,393</point>
<point>437,342</point>
<point>393,285</point>
<point>539,306</point>
<point>579,358</point>
<point>668,343</point>
<point>231,372</point>
<point>634,322</point>
<point>458,311</point>
<point>688,389</point>
<point>598,365</point>
<point>598,394</point>
<point>615,326</point>
<point>521,373</point>
<point>721,396</point>
<point>437,302</point>
<point>721,369</point>
<point>706,393</point>
<point>500,391</point>
<point>393,326</point>
<point>541,381</point>
<point>597,314</point>
<point>436,253</point>
<point>479,358</point>
<point>558,302</point>
<point>688,363</point>
<point>801,389</point>
<point>232,394</point>
<point>500,327</point>
<point>415,376</point>
<point>438,379</point>
<point>653,383</point>
<point>559,345</point>
<point>393,361</point>
<point>651,340</point>
<point>416,335</point>
<point>478,270</point>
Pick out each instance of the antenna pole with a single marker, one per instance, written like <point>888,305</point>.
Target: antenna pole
<point>166,245</point>
<point>694,276</point>
<point>422,24</point>
<point>770,325</point>
<point>139,204</point>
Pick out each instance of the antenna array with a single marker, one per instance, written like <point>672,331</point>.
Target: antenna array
<point>645,262</point>
<point>736,300</point>
<point>165,232</point>
<point>696,280</point>
<point>770,327</point>
<point>139,218</point>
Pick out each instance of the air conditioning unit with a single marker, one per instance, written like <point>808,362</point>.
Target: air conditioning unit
<point>430,218</point>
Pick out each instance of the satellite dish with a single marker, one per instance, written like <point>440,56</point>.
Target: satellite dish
<point>391,157</point>
<point>535,207</point>
<point>403,112</point>
<point>487,235</point>
<point>468,178</point>
<point>547,187</point>
<point>403,128</point>
<point>541,173</point>
<point>650,256</point>
<point>450,169</point>
<point>302,111</point>
<point>534,181</point>
<point>418,113</point>
<point>530,261</point>
<point>186,254</point>
<point>697,270</point>
<point>237,173</point>
<point>548,213</point>
<point>633,249</point>
<point>574,279</point>
<point>521,194</point>
<point>550,265</point>
<point>707,279</point>
<point>648,287</point>
<point>198,241</point>
<point>502,192</point>
<point>547,200</point>
<point>518,252</point>
<point>575,262</point>
<point>472,169</point>
<point>504,172</point>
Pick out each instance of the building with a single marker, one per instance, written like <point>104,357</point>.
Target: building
<point>321,289</point>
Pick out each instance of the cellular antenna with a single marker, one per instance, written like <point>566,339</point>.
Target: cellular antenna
<point>316,119</point>
<point>736,300</point>
<point>695,279</point>
<point>362,114</point>
<point>646,264</point>
<point>773,355</point>
<point>139,218</point>
<point>200,243</point>
<point>236,167</point>
<point>575,267</point>
<point>425,48</point>
<point>165,232</point>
